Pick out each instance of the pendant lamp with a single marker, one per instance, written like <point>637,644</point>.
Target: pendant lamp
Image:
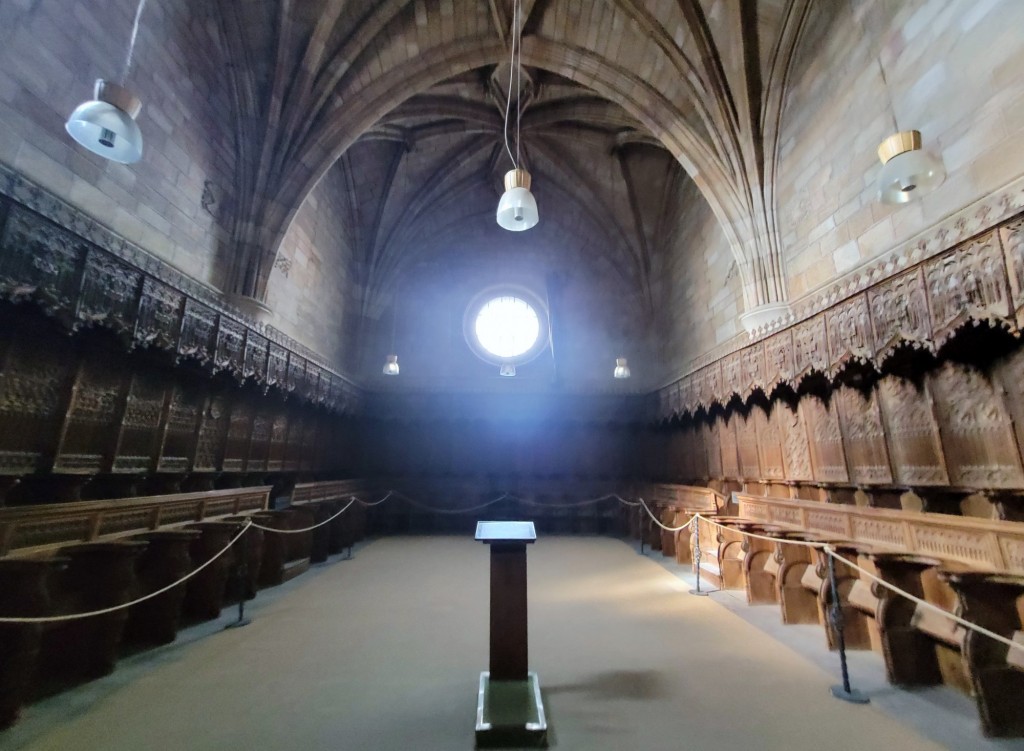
<point>517,209</point>
<point>508,370</point>
<point>621,368</point>
<point>908,172</point>
<point>105,125</point>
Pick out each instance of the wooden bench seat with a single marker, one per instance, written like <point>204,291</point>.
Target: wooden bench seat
<point>965,566</point>
<point>58,559</point>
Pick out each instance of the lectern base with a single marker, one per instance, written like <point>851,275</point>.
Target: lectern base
<point>510,714</point>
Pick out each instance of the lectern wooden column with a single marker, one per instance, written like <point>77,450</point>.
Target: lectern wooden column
<point>509,709</point>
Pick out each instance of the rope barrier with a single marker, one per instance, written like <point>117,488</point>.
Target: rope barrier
<point>574,504</point>
<point>432,509</point>
<point>664,527</point>
<point>892,587</point>
<point>804,543</point>
<point>305,529</point>
<point>373,503</point>
<point>952,616</point>
<point>151,595</point>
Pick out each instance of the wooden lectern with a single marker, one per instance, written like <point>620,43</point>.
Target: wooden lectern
<point>509,709</point>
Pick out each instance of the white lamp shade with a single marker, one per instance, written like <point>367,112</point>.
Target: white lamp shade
<point>508,370</point>
<point>908,176</point>
<point>517,210</point>
<point>391,365</point>
<point>106,130</point>
<point>621,368</point>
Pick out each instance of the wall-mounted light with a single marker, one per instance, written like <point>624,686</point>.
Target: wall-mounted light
<point>908,171</point>
<point>391,365</point>
<point>106,123</point>
<point>621,368</point>
<point>507,369</point>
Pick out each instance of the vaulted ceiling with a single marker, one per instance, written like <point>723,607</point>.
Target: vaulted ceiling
<point>620,101</point>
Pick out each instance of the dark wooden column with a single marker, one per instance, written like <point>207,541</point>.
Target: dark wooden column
<point>509,653</point>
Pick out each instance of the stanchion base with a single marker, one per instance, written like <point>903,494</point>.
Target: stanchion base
<point>510,714</point>
<point>853,695</point>
<point>699,592</point>
<point>238,623</point>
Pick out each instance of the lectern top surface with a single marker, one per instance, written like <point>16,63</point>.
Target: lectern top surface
<point>489,531</point>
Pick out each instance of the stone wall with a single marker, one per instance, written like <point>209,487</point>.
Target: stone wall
<point>948,69</point>
<point>311,293</point>
<point>698,297</point>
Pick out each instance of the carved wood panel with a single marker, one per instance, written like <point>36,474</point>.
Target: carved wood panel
<point>41,261</point>
<point>293,446</point>
<point>229,352</point>
<point>140,435</point>
<point>826,440</point>
<point>713,448</point>
<point>277,365</point>
<point>158,320</point>
<point>778,354</point>
<point>90,430</point>
<point>732,374</point>
<point>259,443</point>
<point>198,332</point>
<point>278,442</point>
<point>309,439</point>
<point>848,327</point>
<point>867,454</point>
<point>967,284</point>
<point>1012,238</point>
<point>109,294</point>
<point>795,444</point>
<point>810,347</point>
<point>769,444</point>
<point>255,363</point>
<point>236,445</point>
<point>730,451</point>
<point>913,435</point>
<point>977,437</point>
<point>181,430</point>
<point>899,313</point>
<point>746,447</point>
<point>214,422</point>
<point>35,383</point>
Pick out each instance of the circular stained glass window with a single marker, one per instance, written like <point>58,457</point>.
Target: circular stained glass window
<point>507,327</point>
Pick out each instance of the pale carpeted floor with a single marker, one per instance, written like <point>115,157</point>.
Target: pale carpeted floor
<point>384,653</point>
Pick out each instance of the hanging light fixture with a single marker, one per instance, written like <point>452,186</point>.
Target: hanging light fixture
<point>507,369</point>
<point>391,361</point>
<point>105,125</point>
<point>621,368</point>
<point>908,172</point>
<point>517,209</point>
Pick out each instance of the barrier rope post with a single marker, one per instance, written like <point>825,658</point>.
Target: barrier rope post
<point>696,556</point>
<point>843,692</point>
<point>640,525</point>
<point>242,575</point>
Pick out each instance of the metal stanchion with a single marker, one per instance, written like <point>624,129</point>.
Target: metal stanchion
<point>843,692</point>
<point>696,557</point>
<point>242,574</point>
<point>640,524</point>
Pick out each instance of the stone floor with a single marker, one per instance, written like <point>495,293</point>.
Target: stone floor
<point>384,652</point>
